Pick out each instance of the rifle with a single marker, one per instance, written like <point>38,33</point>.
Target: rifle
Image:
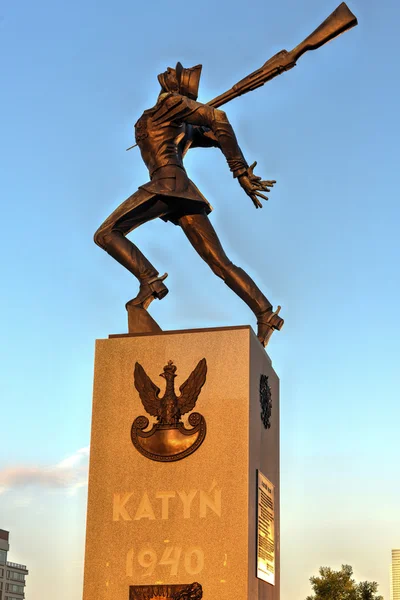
<point>338,22</point>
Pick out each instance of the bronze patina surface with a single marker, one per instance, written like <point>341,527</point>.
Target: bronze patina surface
<point>169,440</point>
<point>166,592</point>
<point>164,133</point>
<point>265,401</point>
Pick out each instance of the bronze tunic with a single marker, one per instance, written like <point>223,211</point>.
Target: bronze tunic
<point>161,134</point>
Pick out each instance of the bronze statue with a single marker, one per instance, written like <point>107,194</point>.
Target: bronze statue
<point>164,133</point>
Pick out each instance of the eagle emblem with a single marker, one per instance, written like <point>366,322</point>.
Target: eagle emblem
<point>168,439</point>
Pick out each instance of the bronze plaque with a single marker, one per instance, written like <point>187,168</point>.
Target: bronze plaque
<point>192,591</point>
<point>265,529</point>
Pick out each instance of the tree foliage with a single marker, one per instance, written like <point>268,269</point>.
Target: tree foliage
<point>340,585</point>
<point>367,590</point>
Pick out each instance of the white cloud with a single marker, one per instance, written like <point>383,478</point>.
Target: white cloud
<point>70,474</point>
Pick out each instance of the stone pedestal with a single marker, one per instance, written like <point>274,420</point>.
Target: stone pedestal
<point>167,524</point>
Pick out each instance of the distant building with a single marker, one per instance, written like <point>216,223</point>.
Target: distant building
<point>12,575</point>
<point>395,576</point>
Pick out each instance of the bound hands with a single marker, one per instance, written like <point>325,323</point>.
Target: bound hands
<point>253,185</point>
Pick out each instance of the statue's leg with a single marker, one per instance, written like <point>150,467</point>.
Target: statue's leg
<point>111,237</point>
<point>204,239</point>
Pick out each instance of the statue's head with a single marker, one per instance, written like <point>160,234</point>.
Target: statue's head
<point>168,80</point>
<point>184,81</point>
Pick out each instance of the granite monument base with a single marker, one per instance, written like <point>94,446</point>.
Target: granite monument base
<point>155,527</point>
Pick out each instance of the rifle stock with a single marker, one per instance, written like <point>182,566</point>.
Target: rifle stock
<point>338,22</point>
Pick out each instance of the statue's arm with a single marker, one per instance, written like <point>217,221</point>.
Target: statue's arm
<point>203,116</point>
<point>219,124</point>
<point>201,137</point>
<point>180,108</point>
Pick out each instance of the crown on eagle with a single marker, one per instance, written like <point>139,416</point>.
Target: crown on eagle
<point>170,368</point>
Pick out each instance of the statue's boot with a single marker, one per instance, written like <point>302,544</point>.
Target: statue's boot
<point>130,257</point>
<point>150,288</point>
<point>243,285</point>
<point>267,322</point>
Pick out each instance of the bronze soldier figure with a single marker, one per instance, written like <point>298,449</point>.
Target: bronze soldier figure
<point>162,133</point>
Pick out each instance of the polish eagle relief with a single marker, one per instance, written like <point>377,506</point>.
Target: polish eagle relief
<point>168,439</point>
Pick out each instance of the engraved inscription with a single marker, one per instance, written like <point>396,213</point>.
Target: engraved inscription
<point>265,530</point>
<point>173,561</point>
<point>162,505</point>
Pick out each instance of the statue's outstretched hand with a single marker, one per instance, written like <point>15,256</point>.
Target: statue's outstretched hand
<point>253,185</point>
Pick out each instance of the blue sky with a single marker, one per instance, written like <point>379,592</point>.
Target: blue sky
<point>75,77</point>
